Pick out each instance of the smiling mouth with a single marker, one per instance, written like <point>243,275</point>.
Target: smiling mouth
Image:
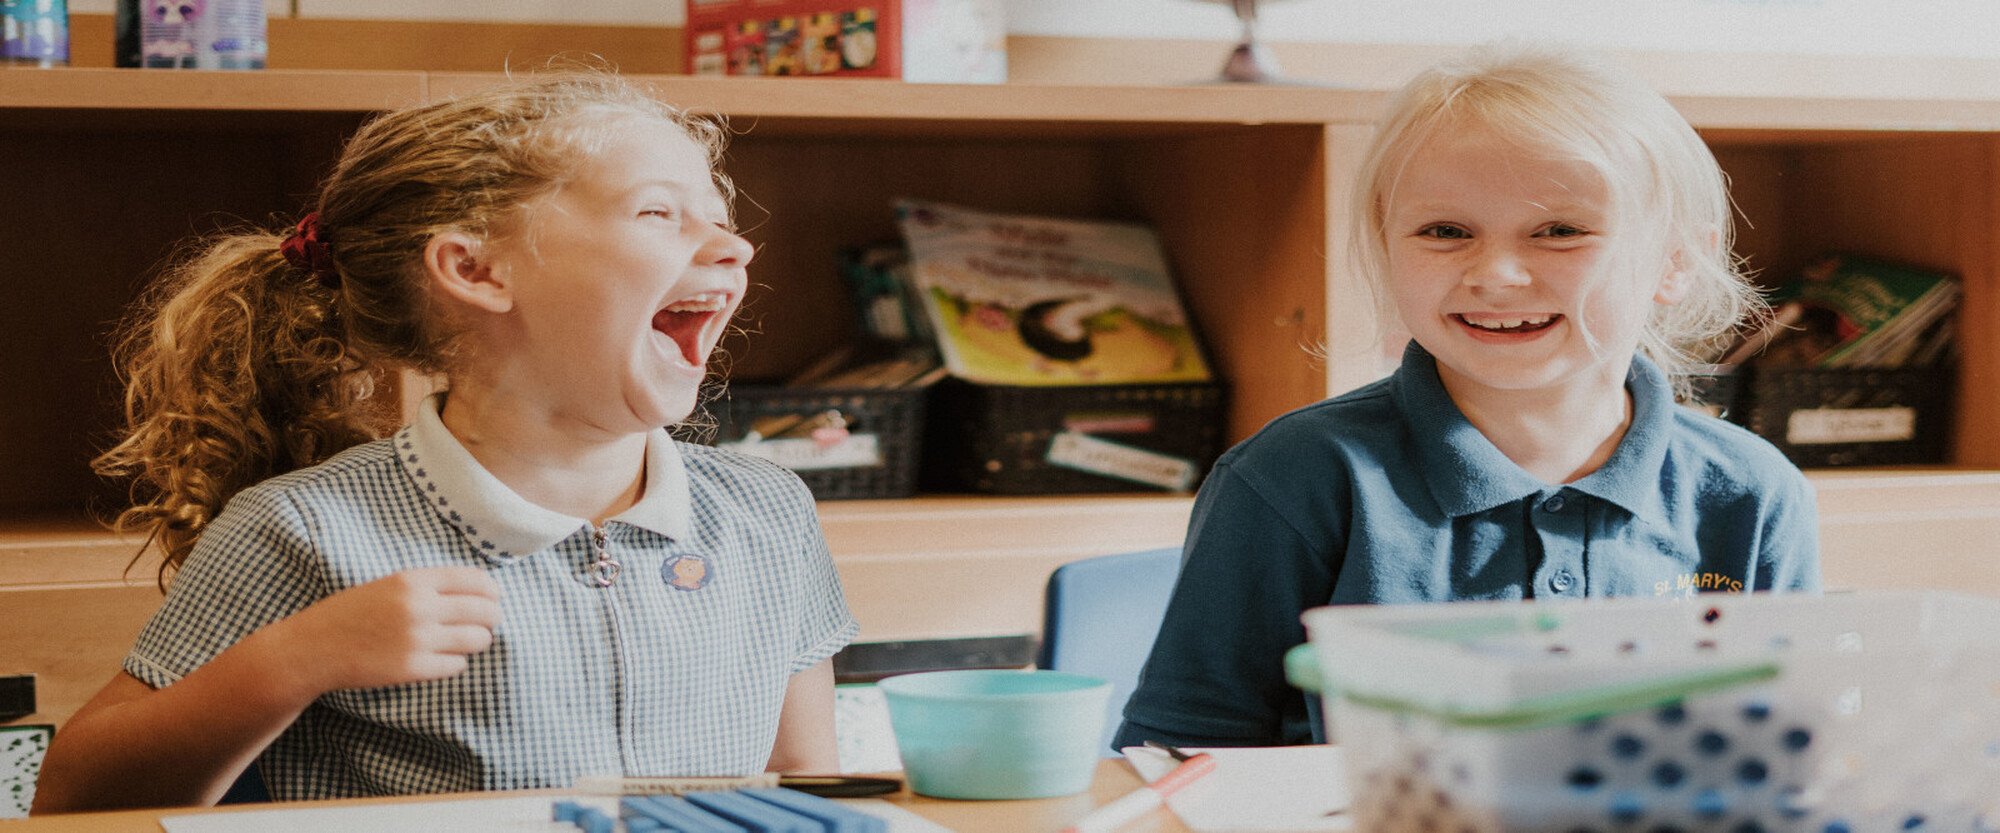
<point>687,320</point>
<point>1509,323</point>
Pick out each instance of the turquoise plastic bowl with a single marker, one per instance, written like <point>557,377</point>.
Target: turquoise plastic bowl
<point>997,734</point>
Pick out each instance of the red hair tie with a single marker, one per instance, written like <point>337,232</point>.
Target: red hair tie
<point>304,249</point>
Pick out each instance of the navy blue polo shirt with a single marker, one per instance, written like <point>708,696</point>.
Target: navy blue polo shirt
<point>1387,494</point>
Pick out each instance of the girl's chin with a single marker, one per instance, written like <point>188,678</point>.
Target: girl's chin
<point>658,401</point>
<point>659,410</point>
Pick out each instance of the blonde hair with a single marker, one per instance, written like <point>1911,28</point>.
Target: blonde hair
<point>239,366</point>
<point>1661,176</point>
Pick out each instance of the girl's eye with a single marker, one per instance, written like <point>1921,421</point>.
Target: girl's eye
<point>1562,231</point>
<point>662,213</point>
<point>1444,231</point>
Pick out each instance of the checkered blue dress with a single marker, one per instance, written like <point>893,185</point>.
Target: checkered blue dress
<point>678,667</point>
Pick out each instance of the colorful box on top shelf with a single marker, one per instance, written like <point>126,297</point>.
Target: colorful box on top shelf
<point>936,41</point>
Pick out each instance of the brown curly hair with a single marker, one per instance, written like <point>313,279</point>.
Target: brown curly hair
<point>240,366</point>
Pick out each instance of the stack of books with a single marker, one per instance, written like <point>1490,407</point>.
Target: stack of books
<point>1854,312</point>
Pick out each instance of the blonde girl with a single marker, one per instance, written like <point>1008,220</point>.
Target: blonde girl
<point>1555,240</point>
<point>527,582</point>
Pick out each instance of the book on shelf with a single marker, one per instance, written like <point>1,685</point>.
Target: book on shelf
<point>878,274</point>
<point>909,367</point>
<point>1044,301</point>
<point>1851,311</point>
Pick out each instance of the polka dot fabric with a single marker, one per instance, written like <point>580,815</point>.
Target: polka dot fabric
<point>1883,715</point>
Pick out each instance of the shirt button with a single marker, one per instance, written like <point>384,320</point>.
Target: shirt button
<point>1554,504</point>
<point>1561,581</point>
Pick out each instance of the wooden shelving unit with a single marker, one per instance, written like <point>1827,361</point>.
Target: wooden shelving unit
<point>107,169</point>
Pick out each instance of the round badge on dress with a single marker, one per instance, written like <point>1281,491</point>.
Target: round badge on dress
<point>686,572</point>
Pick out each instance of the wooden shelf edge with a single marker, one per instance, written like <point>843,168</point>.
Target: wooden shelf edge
<point>1902,477</point>
<point>854,99</point>
<point>949,527</point>
<point>872,100</point>
<point>62,552</point>
<point>86,88</point>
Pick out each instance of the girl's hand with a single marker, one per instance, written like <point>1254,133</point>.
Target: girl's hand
<point>407,627</point>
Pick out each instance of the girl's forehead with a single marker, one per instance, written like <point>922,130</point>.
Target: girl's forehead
<point>636,153</point>
<point>1461,161</point>
<point>652,142</point>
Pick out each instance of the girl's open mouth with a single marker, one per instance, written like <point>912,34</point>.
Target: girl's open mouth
<point>687,321</point>
<point>1523,323</point>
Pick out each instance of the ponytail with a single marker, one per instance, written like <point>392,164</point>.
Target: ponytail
<point>236,369</point>
<point>261,354</point>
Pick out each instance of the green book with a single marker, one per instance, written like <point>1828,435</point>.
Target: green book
<point>1862,312</point>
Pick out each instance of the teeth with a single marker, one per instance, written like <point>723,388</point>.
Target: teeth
<point>1507,323</point>
<point>705,302</point>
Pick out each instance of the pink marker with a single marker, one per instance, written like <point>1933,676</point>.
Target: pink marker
<point>1147,798</point>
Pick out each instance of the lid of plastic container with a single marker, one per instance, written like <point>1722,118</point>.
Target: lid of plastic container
<point>1516,664</point>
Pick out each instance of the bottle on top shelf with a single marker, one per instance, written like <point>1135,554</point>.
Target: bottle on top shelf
<point>34,32</point>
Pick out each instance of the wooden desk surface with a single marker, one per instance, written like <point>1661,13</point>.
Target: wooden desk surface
<point>1114,778</point>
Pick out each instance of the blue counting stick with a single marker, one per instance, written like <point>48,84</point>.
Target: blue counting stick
<point>641,824</point>
<point>565,811</point>
<point>837,818</point>
<point>592,821</point>
<point>677,814</point>
<point>756,816</point>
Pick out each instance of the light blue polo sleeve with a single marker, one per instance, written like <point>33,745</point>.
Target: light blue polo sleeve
<point>252,565</point>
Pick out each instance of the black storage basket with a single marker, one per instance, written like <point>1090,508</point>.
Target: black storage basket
<point>894,415</point>
<point>996,438</point>
<point>1767,398</point>
<point>1714,391</point>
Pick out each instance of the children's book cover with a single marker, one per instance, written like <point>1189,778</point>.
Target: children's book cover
<point>1851,311</point>
<point>1025,300</point>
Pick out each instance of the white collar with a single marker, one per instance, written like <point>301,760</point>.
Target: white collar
<point>500,523</point>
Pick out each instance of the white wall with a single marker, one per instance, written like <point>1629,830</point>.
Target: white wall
<point>1940,28</point>
<point>1953,28</point>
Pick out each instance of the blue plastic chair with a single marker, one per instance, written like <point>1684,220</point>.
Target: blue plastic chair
<point>1100,619</point>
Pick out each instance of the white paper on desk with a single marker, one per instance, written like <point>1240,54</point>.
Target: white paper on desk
<point>1266,790</point>
<point>505,814</point>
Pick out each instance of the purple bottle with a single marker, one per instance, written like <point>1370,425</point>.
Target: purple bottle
<point>34,32</point>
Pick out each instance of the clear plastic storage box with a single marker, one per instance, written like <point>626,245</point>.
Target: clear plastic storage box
<point>1832,714</point>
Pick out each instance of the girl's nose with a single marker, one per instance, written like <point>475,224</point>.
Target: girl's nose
<point>1495,267</point>
<point>727,248</point>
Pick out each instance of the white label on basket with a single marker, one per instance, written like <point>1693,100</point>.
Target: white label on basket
<point>1087,453</point>
<point>855,451</point>
<point>1851,425</point>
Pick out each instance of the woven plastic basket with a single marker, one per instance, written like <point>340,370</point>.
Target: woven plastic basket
<point>999,439</point>
<point>877,458</point>
<point>1840,714</point>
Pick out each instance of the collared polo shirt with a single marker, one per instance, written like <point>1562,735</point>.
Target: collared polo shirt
<point>674,662</point>
<point>1388,494</point>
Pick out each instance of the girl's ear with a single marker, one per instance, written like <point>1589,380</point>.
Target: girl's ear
<point>1673,286</point>
<point>457,266</point>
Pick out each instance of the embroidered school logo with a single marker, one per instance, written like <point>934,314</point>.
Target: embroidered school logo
<point>1688,584</point>
<point>685,572</point>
